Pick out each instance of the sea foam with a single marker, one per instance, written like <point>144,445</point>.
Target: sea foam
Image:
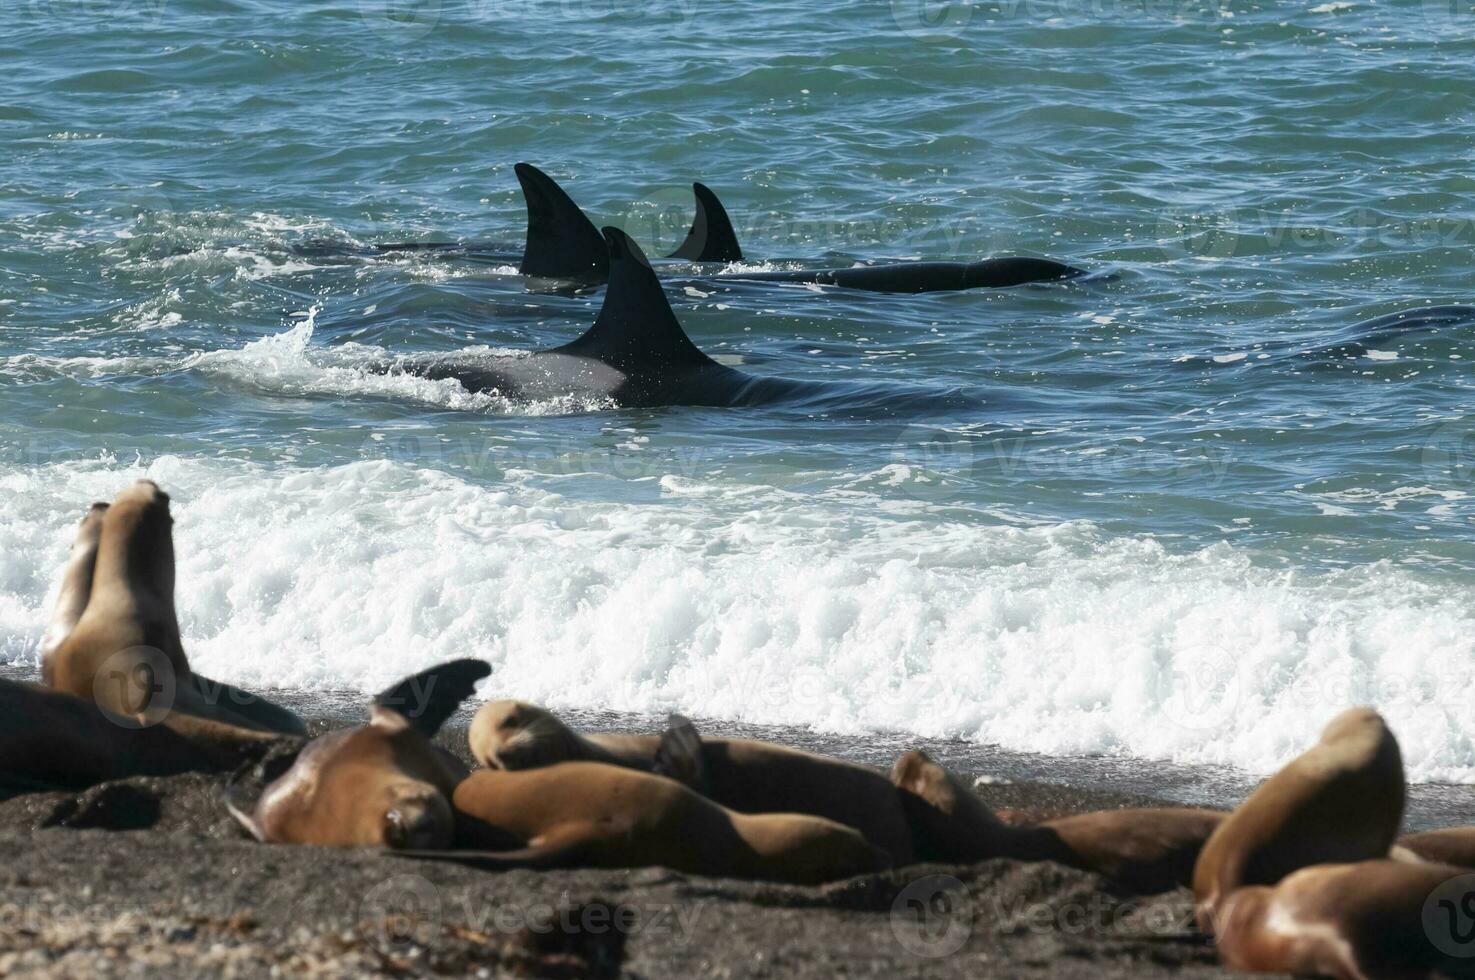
<point>761,605</point>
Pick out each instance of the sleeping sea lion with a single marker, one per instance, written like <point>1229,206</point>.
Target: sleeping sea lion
<point>1339,802</point>
<point>740,774</point>
<point>382,784</point>
<point>590,814</point>
<point>1365,921</point>
<point>1148,850</point>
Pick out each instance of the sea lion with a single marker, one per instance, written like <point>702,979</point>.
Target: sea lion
<point>117,643</point>
<point>740,774</point>
<point>1372,919</point>
<point>76,588</point>
<point>1339,802</point>
<point>1147,850</point>
<point>56,740</point>
<point>592,814</point>
<point>1452,845</point>
<point>382,784</point>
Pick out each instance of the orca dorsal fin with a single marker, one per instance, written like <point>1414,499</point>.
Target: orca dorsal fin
<point>636,331</point>
<point>562,242</point>
<point>711,238</point>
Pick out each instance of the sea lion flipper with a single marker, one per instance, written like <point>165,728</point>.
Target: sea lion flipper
<point>425,700</point>
<point>567,851</point>
<point>245,814</point>
<point>562,243</point>
<point>679,755</point>
<point>711,237</point>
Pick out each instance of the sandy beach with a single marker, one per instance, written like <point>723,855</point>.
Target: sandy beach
<point>150,876</point>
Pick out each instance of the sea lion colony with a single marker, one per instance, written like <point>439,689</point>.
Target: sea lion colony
<point>1307,876</point>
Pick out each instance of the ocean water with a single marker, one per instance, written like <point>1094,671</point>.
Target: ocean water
<point>1183,512</point>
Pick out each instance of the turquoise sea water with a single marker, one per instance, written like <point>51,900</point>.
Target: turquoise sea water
<point>1178,512</point>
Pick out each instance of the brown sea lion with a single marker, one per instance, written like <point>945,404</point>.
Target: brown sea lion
<point>123,650</point>
<point>1339,802</point>
<point>382,784</point>
<point>1451,845</point>
<point>76,588</point>
<point>1148,850</point>
<point>1373,920</point>
<point>52,739</point>
<point>740,774</point>
<point>591,814</point>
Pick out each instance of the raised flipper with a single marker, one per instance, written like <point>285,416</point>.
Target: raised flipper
<point>636,331</point>
<point>562,242</point>
<point>679,754</point>
<point>76,587</point>
<point>711,237</point>
<point>427,699</point>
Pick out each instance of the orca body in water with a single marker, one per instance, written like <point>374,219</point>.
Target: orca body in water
<point>1420,331</point>
<point>635,354</point>
<point>563,246</point>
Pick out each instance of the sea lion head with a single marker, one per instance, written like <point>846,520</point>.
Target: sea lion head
<point>383,784</point>
<point>517,735</point>
<point>378,785</point>
<point>139,521</point>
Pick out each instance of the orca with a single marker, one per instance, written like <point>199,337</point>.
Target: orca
<point>563,245</point>
<point>564,248</point>
<point>1423,331</point>
<point>636,354</point>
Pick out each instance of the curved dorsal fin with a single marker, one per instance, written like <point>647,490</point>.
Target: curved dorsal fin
<point>711,238</point>
<point>636,331</point>
<point>562,242</point>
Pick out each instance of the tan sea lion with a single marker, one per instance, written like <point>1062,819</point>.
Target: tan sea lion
<point>1339,802</point>
<point>1149,850</point>
<point>1452,845</point>
<point>591,814</point>
<point>1365,921</point>
<point>382,784</point>
<point>76,588</point>
<point>121,647</point>
<point>740,774</point>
